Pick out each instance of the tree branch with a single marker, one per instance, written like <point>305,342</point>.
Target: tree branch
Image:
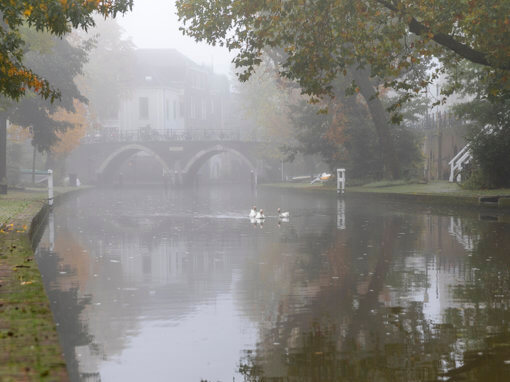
<point>449,42</point>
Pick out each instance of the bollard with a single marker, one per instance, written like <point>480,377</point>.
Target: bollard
<point>50,187</point>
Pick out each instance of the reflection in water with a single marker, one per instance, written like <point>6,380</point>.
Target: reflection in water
<point>462,233</point>
<point>340,213</point>
<point>184,287</point>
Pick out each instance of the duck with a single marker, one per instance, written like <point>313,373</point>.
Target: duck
<point>283,215</point>
<point>260,215</point>
<point>253,212</point>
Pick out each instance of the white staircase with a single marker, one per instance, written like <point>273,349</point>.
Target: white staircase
<point>462,158</point>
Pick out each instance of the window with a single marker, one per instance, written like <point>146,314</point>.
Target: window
<point>143,107</point>
<point>193,109</point>
<point>203,113</point>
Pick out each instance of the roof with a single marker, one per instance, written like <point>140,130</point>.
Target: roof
<point>170,68</point>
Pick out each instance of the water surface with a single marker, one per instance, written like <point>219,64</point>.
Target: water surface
<point>181,286</point>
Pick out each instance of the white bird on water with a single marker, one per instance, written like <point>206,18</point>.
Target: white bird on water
<point>253,212</point>
<point>283,215</point>
<point>260,215</point>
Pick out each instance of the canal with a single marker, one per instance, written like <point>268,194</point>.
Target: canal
<point>180,286</point>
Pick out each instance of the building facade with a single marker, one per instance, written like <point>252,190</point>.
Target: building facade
<point>170,94</point>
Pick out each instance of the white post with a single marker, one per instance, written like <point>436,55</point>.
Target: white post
<point>50,187</point>
<point>51,225</point>
<point>340,180</point>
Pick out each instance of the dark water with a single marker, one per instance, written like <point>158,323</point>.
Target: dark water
<point>182,287</point>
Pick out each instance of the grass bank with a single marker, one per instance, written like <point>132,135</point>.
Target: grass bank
<point>434,192</point>
<point>29,345</point>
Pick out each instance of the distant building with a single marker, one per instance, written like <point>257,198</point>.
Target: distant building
<point>171,94</point>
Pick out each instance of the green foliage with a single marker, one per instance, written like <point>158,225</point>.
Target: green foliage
<point>490,146</point>
<point>60,63</point>
<point>56,17</point>
<point>311,129</point>
<point>491,152</point>
<point>353,144</point>
<point>407,150</point>
<point>14,160</point>
<point>405,45</point>
<point>320,39</point>
<point>364,160</point>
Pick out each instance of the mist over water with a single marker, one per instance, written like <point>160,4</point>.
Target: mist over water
<point>181,286</point>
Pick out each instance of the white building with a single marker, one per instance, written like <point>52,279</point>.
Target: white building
<point>170,94</point>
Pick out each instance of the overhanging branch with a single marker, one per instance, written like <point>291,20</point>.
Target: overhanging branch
<point>463,50</point>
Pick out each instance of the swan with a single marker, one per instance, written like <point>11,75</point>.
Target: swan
<point>253,212</point>
<point>260,215</point>
<point>284,215</point>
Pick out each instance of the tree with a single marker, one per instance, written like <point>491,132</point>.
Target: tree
<point>59,62</point>
<point>345,136</point>
<point>56,17</point>
<point>373,39</point>
<point>70,139</point>
<point>488,119</point>
<point>108,73</point>
<point>321,38</point>
<point>486,112</point>
<point>264,99</point>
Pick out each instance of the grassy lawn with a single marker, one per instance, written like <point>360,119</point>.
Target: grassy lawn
<point>433,188</point>
<point>29,346</point>
<point>442,188</point>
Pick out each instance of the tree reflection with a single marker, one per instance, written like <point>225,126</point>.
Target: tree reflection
<point>483,315</point>
<point>67,308</point>
<point>351,327</point>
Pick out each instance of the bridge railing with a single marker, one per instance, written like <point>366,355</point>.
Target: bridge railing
<point>151,135</point>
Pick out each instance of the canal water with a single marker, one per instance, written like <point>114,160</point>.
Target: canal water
<point>181,286</point>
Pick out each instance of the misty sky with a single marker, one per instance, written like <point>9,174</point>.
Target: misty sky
<point>153,24</point>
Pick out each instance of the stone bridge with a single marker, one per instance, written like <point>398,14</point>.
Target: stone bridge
<point>97,161</point>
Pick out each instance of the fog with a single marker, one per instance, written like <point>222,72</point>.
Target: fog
<point>154,24</point>
<point>199,232</point>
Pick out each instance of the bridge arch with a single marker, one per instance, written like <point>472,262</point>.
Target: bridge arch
<point>119,156</point>
<point>197,160</point>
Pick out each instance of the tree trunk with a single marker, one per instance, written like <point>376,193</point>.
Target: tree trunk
<point>33,164</point>
<point>380,118</point>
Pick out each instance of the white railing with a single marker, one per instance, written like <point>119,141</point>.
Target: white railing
<point>151,135</point>
<point>462,158</point>
<point>456,230</point>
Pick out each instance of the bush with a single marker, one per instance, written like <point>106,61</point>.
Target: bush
<point>491,155</point>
